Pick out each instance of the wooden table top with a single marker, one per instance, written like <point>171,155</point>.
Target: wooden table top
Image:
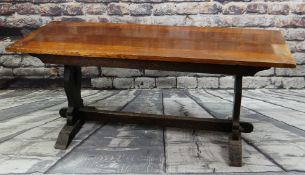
<point>225,46</point>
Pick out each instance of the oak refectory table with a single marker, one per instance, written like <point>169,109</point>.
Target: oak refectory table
<point>230,51</point>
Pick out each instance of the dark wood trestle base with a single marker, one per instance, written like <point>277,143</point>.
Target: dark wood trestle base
<point>76,114</point>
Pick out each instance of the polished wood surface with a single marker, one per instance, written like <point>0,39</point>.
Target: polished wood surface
<point>226,46</point>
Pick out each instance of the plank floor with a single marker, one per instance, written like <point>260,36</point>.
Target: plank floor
<point>29,125</point>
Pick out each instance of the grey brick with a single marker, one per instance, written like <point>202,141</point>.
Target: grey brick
<point>2,59</point>
<point>102,83</point>
<point>60,70</point>
<point>293,82</point>
<point>6,9</point>
<point>33,72</point>
<point>298,71</point>
<point>164,9</point>
<point>300,57</point>
<point>191,8</point>
<point>295,34</point>
<point>188,1</point>
<point>47,1</point>
<point>4,42</point>
<point>210,8</point>
<point>278,9</point>
<point>166,82</point>
<point>120,72</point>
<point>256,82</point>
<point>94,1</point>
<point>95,9</point>
<point>292,45</point>
<point>143,1</point>
<point>226,82</point>
<point>208,82</point>
<point>234,9</point>
<point>11,60</point>
<point>73,9</point>
<point>276,82</point>
<point>51,10</point>
<point>187,8</point>
<point>52,72</point>
<point>249,21</point>
<point>298,8</point>
<point>186,82</point>
<point>300,46</point>
<point>29,61</point>
<point>265,73</point>
<point>248,82</point>
<point>140,9</point>
<point>6,72</point>
<point>123,83</point>
<point>119,9</point>
<point>91,71</point>
<point>260,8</point>
<point>23,21</point>
<point>297,21</point>
<point>145,83</point>
<point>27,9</point>
<point>283,21</point>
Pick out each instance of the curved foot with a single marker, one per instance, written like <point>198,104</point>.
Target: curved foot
<point>67,133</point>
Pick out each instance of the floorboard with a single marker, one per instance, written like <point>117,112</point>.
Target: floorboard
<point>14,93</point>
<point>285,95</point>
<point>200,151</point>
<point>275,99</point>
<point>270,136</point>
<point>118,148</point>
<point>29,124</point>
<point>295,118</point>
<point>31,138</point>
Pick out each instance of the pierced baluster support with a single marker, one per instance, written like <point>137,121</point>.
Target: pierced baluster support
<point>72,85</point>
<point>235,145</point>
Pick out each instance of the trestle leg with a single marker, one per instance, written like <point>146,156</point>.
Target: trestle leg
<point>76,114</point>
<point>72,85</point>
<point>235,145</point>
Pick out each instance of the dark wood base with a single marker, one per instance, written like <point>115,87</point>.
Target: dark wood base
<point>221,125</point>
<point>67,134</point>
<point>76,114</point>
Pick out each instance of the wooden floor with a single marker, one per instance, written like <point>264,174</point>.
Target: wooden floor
<point>29,125</point>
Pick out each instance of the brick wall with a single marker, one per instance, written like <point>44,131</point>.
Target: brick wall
<point>18,17</point>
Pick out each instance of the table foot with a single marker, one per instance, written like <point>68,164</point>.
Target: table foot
<point>235,152</point>
<point>67,133</point>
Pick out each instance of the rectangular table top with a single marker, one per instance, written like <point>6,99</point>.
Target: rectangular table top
<point>225,46</point>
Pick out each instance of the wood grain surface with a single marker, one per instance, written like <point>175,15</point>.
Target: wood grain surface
<point>226,46</point>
